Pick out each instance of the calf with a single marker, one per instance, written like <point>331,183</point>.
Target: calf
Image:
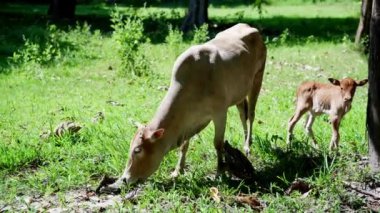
<point>316,98</point>
<point>206,80</point>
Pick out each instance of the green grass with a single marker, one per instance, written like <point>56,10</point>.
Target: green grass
<point>81,83</point>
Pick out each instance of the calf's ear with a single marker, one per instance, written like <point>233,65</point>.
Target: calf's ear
<point>334,81</point>
<point>361,83</point>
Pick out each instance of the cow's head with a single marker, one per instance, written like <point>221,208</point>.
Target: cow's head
<point>348,87</point>
<point>145,154</point>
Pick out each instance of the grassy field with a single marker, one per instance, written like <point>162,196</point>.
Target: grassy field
<point>82,75</point>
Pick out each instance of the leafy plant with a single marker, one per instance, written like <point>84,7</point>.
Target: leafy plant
<point>201,34</point>
<point>282,38</point>
<point>128,34</point>
<point>40,53</point>
<point>174,39</point>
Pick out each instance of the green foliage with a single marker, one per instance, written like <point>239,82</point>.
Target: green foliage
<point>201,34</point>
<point>129,36</point>
<point>57,47</point>
<point>40,54</point>
<point>174,39</point>
<point>282,38</point>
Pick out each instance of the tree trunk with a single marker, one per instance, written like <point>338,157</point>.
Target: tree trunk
<point>373,107</point>
<point>196,15</point>
<point>62,9</point>
<point>363,28</point>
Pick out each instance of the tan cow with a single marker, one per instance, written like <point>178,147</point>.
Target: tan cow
<point>206,80</point>
<point>316,98</point>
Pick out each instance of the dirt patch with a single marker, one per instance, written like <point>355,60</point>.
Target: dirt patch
<point>79,200</point>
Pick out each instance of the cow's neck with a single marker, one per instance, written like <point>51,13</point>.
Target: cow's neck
<point>170,117</point>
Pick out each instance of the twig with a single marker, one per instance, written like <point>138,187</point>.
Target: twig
<point>375,196</point>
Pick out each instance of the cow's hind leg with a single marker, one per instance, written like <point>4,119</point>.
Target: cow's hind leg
<point>243,112</point>
<point>182,159</point>
<point>220,126</point>
<point>251,102</point>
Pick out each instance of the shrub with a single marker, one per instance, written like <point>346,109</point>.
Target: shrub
<point>174,39</point>
<point>201,34</point>
<point>57,46</point>
<point>33,52</point>
<point>128,34</point>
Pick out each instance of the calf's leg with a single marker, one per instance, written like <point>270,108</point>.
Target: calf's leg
<point>293,120</point>
<point>335,122</point>
<point>309,128</point>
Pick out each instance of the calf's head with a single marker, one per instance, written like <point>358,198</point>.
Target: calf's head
<point>348,87</point>
<point>145,154</point>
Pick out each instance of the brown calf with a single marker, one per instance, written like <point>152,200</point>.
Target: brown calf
<point>316,98</point>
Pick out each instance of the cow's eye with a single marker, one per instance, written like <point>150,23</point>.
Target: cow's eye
<point>137,150</point>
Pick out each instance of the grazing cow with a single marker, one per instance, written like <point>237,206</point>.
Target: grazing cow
<point>206,80</point>
<point>316,98</point>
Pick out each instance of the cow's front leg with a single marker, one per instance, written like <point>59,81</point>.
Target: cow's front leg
<point>335,121</point>
<point>220,126</point>
<point>179,169</point>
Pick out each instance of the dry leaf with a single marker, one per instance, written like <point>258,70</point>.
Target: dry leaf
<point>98,118</point>
<point>45,134</point>
<point>114,103</point>
<point>298,185</point>
<point>250,200</point>
<point>214,192</point>
<point>66,127</point>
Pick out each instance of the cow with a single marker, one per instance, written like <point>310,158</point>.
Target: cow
<point>317,98</point>
<point>206,80</point>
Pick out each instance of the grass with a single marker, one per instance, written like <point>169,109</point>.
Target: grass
<point>85,79</point>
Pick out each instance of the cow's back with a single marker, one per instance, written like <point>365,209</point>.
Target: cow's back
<point>221,70</point>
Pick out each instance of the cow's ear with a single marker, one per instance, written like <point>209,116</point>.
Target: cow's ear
<point>334,81</point>
<point>155,135</point>
<point>361,83</point>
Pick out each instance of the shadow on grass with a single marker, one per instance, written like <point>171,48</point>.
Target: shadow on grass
<point>279,168</point>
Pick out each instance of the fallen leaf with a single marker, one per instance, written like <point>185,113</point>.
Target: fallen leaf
<point>250,200</point>
<point>45,134</point>
<point>298,185</point>
<point>214,192</point>
<point>98,118</point>
<point>67,127</point>
<point>114,103</point>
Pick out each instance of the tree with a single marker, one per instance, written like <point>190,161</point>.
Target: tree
<point>365,17</point>
<point>373,106</point>
<point>62,9</point>
<point>197,15</point>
